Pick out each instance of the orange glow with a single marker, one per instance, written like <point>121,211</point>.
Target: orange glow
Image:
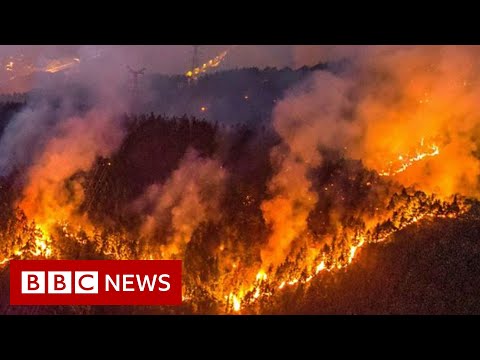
<point>210,64</point>
<point>235,302</point>
<point>403,162</point>
<point>261,276</point>
<point>320,267</point>
<point>42,244</point>
<point>353,249</point>
<point>60,65</point>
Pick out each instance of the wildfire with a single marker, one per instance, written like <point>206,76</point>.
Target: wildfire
<point>239,300</point>
<point>41,247</point>
<point>9,66</point>
<point>403,162</point>
<point>320,267</point>
<point>23,67</point>
<point>264,283</point>
<point>235,301</point>
<point>354,248</point>
<point>261,276</point>
<point>210,64</point>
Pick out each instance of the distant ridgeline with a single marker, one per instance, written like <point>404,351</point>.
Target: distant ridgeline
<point>234,96</point>
<point>244,96</point>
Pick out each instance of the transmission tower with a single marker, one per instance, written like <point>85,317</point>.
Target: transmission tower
<point>195,57</point>
<point>135,74</point>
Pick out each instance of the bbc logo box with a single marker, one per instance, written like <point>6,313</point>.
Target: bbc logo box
<point>95,282</point>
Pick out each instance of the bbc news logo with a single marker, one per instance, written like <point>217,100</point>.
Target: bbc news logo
<point>95,282</point>
<point>59,282</point>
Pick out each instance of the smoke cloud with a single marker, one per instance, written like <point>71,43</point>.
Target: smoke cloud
<point>429,95</point>
<point>189,197</point>
<point>389,108</point>
<point>61,131</point>
<point>48,196</point>
<point>305,121</point>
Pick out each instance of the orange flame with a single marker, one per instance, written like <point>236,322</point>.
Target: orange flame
<point>60,65</point>
<point>210,64</point>
<point>403,162</point>
<point>239,300</point>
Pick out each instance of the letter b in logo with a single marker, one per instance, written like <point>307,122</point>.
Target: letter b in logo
<point>33,282</point>
<point>59,282</point>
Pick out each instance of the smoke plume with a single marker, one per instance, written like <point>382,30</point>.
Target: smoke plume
<point>49,194</point>
<point>305,121</point>
<point>429,95</point>
<point>189,197</point>
<point>61,131</point>
<point>410,113</point>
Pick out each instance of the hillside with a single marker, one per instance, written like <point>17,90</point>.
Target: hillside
<point>429,268</point>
